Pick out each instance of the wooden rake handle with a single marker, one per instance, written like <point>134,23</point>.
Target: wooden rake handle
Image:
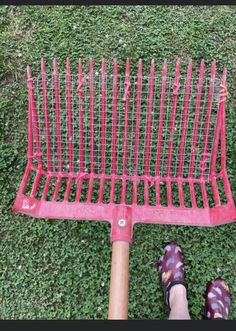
<point>119,283</point>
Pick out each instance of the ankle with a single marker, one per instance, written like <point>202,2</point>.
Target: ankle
<point>177,294</point>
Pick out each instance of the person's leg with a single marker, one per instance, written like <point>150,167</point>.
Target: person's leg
<point>218,300</point>
<point>178,303</point>
<point>171,268</point>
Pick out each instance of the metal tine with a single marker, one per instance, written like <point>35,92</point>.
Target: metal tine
<point>220,126</point>
<point>204,195</point>
<point>81,116</point>
<point>114,115</point>
<point>68,186</point>
<point>205,142</point>
<point>34,118</point>
<point>57,187</point>
<point>226,184</point>
<point>90,189</point>
<point>196,120</point>
<point>172,129</point>
<point>220,129</point>
<point>100,197</point>
<point>137,127</point>
<point>161,118</point>
<point>57,109</point>
<point>30,130</point>
<point>78,191</point>
<point>46,116</point>
<point>208,118</point>
<point>138,108</point>
<point>81,129</point>
<point>38,145</point>
<point>25,178</point>
<point>149,118</point>
<point>223,145</point>
<point>172,121</point>
<point>195,132</point>
<point>192,194</point>
<point>183,132</point>
<point>69,115</point>
<point>80,179</point>
<point>126,129</point>
<point>185,119</point>
<point>148,128</point>
<point>215,192</point>
<point>114,127</point>
<point>91,117</point>
<point>103,117</point>
<point>91,90</point>
<point>46,187</point>
<point>69,126</point>
<point>35,184</point>
<point>160,129</point>
<point>223,133</point>
<point>103,130</point>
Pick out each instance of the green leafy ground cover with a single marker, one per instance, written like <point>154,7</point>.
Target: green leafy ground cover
<point>59,269</point>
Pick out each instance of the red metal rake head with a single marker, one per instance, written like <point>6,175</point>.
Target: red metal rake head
<point>127,148</point>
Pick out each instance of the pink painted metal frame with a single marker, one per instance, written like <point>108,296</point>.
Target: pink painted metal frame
<point>134,213</point>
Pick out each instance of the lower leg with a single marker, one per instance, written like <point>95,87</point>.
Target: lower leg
<point>178,303</point>
<point>171,269</point>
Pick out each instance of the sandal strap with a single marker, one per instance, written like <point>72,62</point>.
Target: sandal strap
<point>167,290</point>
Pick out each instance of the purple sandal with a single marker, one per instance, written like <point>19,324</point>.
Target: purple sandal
<point>171,269</point>
<point>218,300</point>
